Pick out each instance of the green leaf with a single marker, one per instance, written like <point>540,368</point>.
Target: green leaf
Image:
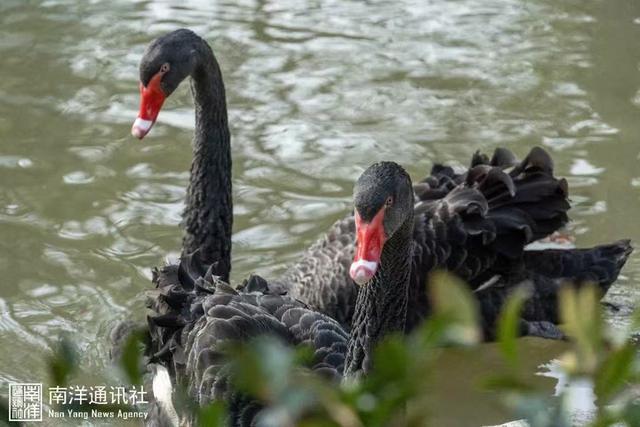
<point>391,361</point>
<point>263,367</point>
<point>212,415</point>
<point>132,354</point>
<point>453,301</point>
<point>508,325</point>
<point>303,356</point>
<point>63,362</point>
<point>183,402</point>
<point>631,414</point>
<point>581,313</point>
<point>614,372</point>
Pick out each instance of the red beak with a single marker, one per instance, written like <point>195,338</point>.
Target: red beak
<point>371,238</point>
<point>151,99</point>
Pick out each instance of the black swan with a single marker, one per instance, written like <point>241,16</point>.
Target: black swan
<point>524,202</point>
<point>195,313</point>
<point>208,215</point>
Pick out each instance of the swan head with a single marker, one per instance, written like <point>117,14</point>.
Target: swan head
<point>383,199</point>
<point>166,62</point>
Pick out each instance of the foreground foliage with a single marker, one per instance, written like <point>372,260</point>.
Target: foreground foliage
<point>396,393</point>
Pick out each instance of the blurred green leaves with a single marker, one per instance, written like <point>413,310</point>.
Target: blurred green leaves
<point>212,415</point>
<point>614,372</point>
<point>455,311</point>
<point>63,362</point>
<point>508,325</point>
<point>397,391</point>
<point>582,318</point>
<point>132,355</point>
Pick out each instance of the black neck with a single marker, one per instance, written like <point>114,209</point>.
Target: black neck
<point>208,216</point>
<point>381,307</point>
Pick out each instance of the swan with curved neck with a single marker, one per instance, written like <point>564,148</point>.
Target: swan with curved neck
<point>208,215</point>
<point>463,222</point>
<point>324,277</point>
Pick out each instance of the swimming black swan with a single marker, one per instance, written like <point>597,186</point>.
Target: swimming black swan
<point>524,203</point>
<point>208,215</point>
<point>195,313</point>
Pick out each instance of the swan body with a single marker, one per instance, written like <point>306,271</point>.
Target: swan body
<point>524,202</point>
<point>475,224</point>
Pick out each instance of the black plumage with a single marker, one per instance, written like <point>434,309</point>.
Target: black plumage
<point>208,214</point>
<point>475,224</point>
<point>515,202</point>
<point>196,314</point>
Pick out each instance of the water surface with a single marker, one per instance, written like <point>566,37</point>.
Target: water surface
<point>317,91</point>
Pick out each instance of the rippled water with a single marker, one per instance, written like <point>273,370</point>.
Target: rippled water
<point>317,91</point>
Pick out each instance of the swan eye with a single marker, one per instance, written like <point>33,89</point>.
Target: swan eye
<point>165,67</point>
<point>388,202</point>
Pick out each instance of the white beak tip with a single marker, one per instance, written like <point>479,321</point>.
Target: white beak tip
<point>362,271</point>
<point>141,127</point>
